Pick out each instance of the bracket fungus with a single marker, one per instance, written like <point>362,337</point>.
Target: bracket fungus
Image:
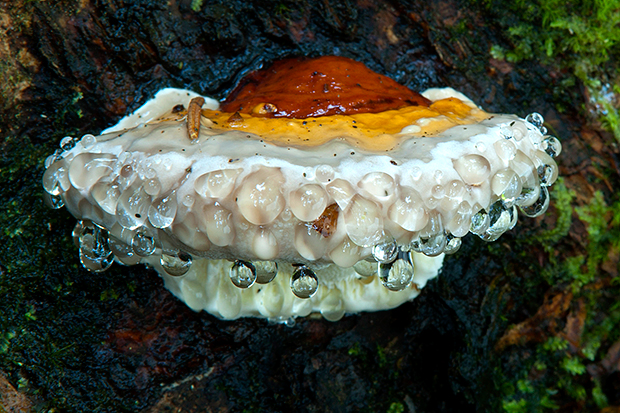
<point>316,186</point>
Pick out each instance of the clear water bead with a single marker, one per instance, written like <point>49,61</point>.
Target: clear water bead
<point>67,143</point>
<point>95,253</point>
<point>122,252</point>
<point>53,201</point>
<point>500,221</point>
<point>176,263</point>
<point>535,119</point>
<point>142,243</point>
<point>546,174</point>
<point>540,206</point>
<point>552,146</point>
<point>386,251</point>
<point>505,132</point>
<point>266,271</point>
<point>243,274</point>
<point>304,282</point>
<point>432,239</point>
<point>453,244</point>
<point>53,158</point>
<point>132,207</point>
<point>365,268</point>
<point>162,212</point>
<point>479,222</point>
<point>397,275</point>
<point>88,141</point>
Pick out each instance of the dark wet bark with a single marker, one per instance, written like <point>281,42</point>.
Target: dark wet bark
<point>118,340</point>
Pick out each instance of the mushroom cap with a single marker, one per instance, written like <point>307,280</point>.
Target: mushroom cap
<point>373,200</point>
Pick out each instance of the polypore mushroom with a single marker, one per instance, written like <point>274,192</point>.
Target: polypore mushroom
<point>316,186</point>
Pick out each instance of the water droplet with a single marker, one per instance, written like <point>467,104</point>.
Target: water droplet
<point>432,238</point>
<point>95,253</point>
<point>188,201</point>
<point>500,219</point>
<point>142,243</point>
<point>529,193</point>
<point>535,119</point>
<point>67,143</point>
<point>505,132</point>
<point>53,201</point>
<point>481,147</point>
<point>132,207</point>
<point>386,251</point>
<point>416,173</point>
<point>304,283</point>
<point>106,195</point>
<point>122,252</point>
<point>453,245</point>
<point>397,276</point>
<point>266,271</point>
<point>162,212</point>
<point>366,268</point>
<point>540,206</point>
<point>438,175</point>
<point>127,176</point>
<point>53,158</point>
<point>547,168</point>
<point>543,130</point>
<point>546,174</point>
<point>243,274</point>
<point>479,222</point>
<point>505,150</point>
<point>152,187</point>
<point>88,141</point>
<point>52,179</point>
<point>176,263</point>
<point>506,185</point>
<point>552,146</point>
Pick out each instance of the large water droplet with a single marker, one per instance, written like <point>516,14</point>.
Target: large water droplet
<point>176,263</point>
<point>67,143</point>
<point>386,251</point>
<point>55,179</point>
<point>366,268</point>
<point>540,206</point>
<point>266,271</point>
<point>132,207</point>
<point>479,222</point>
<point>304,283</point>
<point>500,220</point>
<point>88,141</point>
<point>53,201</point>
<point>142,243</point>
<point>535,119</point>
<point>106,195</point>
<point>243,274</point>
<point>95,253</point>
<point>552,146</point>
<point>163,211</point>
<point>529,193</point>
<point>453,244</point>
<point>432,238</point>
<point>122,252</point>
<point>397,275</point>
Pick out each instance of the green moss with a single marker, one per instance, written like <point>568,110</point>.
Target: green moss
<point>396,407</point>
<point>580,37</point>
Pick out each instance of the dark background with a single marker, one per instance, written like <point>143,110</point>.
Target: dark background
<point>528,323</point>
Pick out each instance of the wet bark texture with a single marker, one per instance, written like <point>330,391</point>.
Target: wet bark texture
<point>119,341</point>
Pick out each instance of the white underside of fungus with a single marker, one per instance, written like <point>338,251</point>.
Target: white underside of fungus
<point>220,215</point>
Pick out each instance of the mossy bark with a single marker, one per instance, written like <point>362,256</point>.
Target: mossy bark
<point>528,323</point>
